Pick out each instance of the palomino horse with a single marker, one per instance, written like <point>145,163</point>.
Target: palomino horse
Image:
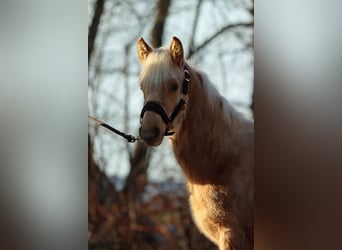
<point>212,143</point>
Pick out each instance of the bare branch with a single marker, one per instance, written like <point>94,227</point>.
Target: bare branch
<point>218,33</point>
<point>194,27</point>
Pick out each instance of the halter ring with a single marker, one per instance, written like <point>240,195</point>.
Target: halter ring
<point>186,75</point>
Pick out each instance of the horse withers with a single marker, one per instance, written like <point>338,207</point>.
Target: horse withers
<point>212,142</point>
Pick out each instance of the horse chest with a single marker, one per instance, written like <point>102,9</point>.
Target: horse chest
<point>207,212</point>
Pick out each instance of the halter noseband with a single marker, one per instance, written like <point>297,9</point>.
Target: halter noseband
<point>155,106</point>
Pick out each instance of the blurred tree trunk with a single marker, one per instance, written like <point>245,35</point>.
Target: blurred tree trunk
<point>159,23</point>
<point>92,32</point>
<point>93,178</point>
<point>100,189</point>
<point>137,178</point>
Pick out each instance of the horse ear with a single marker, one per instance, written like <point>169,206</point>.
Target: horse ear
<point>176,51</point>
<point>143,49</point>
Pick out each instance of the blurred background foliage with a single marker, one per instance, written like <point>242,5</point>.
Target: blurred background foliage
<point>137,197</point>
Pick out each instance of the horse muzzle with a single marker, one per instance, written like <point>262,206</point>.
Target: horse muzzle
<point>151,136</point>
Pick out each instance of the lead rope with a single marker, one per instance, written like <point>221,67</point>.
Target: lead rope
<point>129,138</point>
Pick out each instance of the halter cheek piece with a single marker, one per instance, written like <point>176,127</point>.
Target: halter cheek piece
<point>155,107</point>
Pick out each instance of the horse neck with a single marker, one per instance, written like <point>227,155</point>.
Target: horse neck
<point>208,123</point>
<point>205,108</point>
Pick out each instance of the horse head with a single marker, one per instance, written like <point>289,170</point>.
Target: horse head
<point>164,83</point>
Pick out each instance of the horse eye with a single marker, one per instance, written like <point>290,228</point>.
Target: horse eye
<point>174,87</point>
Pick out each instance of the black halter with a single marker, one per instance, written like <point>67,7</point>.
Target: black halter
<point>155,106</point>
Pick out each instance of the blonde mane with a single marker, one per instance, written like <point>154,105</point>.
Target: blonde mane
<point>214,98</point>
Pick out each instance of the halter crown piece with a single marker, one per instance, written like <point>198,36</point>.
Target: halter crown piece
<point>157,108</point>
